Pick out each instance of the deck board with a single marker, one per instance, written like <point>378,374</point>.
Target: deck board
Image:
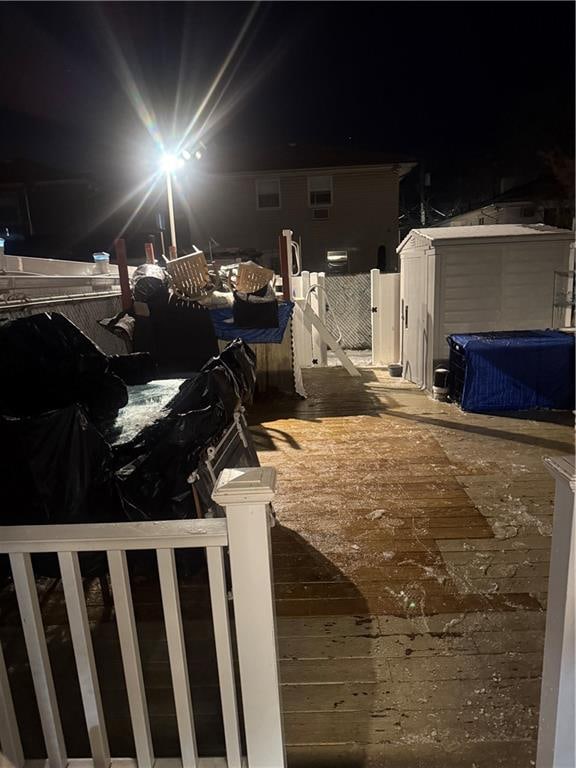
<point>431,526</point>
<point>410,560</point>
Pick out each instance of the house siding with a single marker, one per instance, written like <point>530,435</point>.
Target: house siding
<point>363,215</point>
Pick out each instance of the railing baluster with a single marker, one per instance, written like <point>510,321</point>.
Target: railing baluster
<point>220,618</point>
<point>131,657</point>
<point>27,596</point>
<point>10,743</point>
<point>177,654</point>
<point>84,654</point>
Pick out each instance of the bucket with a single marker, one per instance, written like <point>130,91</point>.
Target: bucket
<point>101,262</point>
<point>441,384</point>
<point>395,370</point>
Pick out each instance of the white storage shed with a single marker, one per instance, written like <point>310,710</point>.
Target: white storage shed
<point>473,279</point>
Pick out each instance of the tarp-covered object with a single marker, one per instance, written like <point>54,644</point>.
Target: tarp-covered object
<point>57,468</point>
<point>153,468</point>
<point>74,453</point>
<point>46,363</point>
<point>149,283</point>
<point>154,465</point>
<point>513,370</point>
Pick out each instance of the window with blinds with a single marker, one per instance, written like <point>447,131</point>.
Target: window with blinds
<point>320,191</point>
<point>268,194</point>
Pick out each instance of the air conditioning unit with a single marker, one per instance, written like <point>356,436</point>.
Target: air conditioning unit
<point>320,214</point>
<point>337,262</point>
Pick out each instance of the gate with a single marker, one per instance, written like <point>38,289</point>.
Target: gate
<point>386,317</point>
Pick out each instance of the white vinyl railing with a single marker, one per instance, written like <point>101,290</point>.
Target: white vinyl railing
<point>312,339</point>
<point>245,532</point>
<point>556,737</point>
<point>28,279</point>
<point>310,287</point>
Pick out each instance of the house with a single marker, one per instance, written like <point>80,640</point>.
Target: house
<point>342,205</point>
<point>541,201</point>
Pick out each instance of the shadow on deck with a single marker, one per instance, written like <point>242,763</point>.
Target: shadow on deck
<point>294,559</point>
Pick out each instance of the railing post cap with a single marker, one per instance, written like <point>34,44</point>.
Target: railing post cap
<point>245,485</point>
<point>562,468</point>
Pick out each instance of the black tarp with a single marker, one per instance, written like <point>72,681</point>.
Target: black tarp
<point>76,453</point>
<point>47,363</point>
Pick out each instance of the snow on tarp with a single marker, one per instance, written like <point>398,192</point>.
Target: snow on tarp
<point>514,370</point>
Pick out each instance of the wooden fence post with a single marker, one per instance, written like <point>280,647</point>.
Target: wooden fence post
<point>246,494</point>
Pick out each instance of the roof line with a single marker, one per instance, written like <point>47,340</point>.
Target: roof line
<point>315,169</point>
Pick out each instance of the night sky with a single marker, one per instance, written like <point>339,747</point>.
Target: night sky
<point>433,80</point>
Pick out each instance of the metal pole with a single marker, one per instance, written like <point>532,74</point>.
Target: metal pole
<point>422,199</point>
<point>171,210</point>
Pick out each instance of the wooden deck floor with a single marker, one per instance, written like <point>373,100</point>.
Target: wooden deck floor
<point>411,559</point>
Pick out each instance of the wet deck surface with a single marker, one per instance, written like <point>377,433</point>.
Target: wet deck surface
<point>411,562</point>
<point>411,558</point>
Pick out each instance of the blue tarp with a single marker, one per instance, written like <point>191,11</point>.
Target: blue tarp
<point>516,370</point>
<point>227,331</point>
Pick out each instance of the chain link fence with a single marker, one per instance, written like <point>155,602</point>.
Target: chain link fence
<point>349,311</point>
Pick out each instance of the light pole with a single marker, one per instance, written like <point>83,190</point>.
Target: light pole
<point>169,164</point>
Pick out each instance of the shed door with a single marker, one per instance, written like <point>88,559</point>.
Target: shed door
<point>413,309</point>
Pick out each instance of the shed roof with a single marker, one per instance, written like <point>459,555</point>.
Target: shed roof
<point>484,233</point>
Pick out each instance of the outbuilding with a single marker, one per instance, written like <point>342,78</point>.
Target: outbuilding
<point>473,279</point>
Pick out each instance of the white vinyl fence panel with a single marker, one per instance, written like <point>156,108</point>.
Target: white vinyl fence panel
<point>386,317</point>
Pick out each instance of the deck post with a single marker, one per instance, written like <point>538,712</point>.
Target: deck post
<point>305,338</point>
<point>556,743</point>
<point>318,303</point>
<point>375,310</point>
<point>246,495</point>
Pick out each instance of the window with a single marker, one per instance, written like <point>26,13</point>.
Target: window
<point>268,194</point>
<point>319,191</point>
<point>527,213</point>
<point>320,214</point>
<point>481,220</point>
